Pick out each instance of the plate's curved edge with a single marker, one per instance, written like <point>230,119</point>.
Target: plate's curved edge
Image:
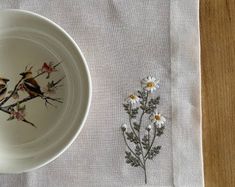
<point>89,90</point>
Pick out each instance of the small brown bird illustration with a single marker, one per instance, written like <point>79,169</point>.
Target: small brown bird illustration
<point>3,87</point>
<point>30,84</point>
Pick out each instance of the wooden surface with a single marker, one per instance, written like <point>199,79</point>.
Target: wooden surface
<point>217,19</point>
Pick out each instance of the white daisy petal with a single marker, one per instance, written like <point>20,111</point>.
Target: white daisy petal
<point>144,81</point>
<point>153,79</point>
<point>163,119</point>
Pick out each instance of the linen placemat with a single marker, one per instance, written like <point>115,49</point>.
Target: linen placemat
<point>129,45</point>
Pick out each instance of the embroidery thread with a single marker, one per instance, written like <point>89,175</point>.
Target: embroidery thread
<point>141,148</point>
<point>30,85</point>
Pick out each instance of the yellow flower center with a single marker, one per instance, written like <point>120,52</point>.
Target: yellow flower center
<point>157,117</point>
<point>132,97</point>
<point>150,84</point>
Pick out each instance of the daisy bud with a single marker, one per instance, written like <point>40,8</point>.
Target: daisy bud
<point>158,125</point>
<point>148,128</point>
<point>123,127</point>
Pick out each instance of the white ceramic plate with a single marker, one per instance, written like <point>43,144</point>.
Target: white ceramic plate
<point>32,43</point>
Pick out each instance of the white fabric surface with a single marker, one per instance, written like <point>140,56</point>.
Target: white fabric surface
<point>123,42</point>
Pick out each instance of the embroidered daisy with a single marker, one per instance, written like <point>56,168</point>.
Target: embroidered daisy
<point>133,99</point>
<point>150,84</point>
<point>158,119</point>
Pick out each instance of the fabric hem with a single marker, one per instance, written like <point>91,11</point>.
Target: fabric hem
<point>186,93</point>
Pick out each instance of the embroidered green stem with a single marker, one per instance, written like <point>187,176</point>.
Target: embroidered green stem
<point>154,136</point>
<point>141,117</point>
<point>133,130</point>
<point>139,141</point>
<point>145,175</point>
<point>143,161</point>
<point>148,138</point>
<point>142,152</point>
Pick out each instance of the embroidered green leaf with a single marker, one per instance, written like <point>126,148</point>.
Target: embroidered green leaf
<point>136,126</point>
<point>130,159</point>
<point>142,103</point>
<point>138,150</point>
<point>160,131</point>
<point>134,112</point>
<point>143,95</point>
<point>153,152</point>
<point>152,105</point>
<point>131,137</point>
<point>155,101</point>
<point>126,107</point>
<point>143,107</point>
<point>145,142</point>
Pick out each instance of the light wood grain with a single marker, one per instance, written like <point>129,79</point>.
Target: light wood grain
<point>217,19</point>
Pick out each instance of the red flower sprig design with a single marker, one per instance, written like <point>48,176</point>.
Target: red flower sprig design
<point>48,68</point>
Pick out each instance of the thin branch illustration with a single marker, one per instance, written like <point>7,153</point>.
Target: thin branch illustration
<point>44,71</point>
<point>30,98</point>
<point>141,147</point>
<point>29,84</point>
<point>26,121</point>
<point>8,97</point>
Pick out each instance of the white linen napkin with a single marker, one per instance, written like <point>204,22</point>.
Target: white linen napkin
<point>124,42</point>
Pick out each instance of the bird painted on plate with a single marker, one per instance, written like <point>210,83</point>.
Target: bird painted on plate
<point>30,84</point>
<point>3,87</point>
